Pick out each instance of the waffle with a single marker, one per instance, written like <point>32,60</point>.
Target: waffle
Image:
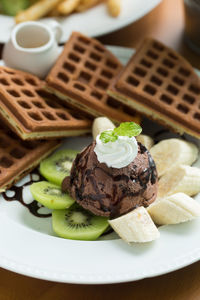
<point>162,85</point>
<point>82,75</point>
<point>18,158</point>
<point>33,113</point>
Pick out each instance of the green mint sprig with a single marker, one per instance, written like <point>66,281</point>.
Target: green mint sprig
<point>125,129</point>
<point>108,136</point>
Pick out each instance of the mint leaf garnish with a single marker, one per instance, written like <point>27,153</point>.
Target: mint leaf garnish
<point>128,129</point>
<point>125,129</point>
<point>108,136</point>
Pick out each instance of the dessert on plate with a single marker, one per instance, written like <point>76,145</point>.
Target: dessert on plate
<point>114,180</point>
<point>112,177</point>
<point>98,197</point>
<point>116,177</point>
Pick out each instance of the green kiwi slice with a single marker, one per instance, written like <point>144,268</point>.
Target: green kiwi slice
<point>50,195</point>
<point>56,167</point>
<point>75,223</point>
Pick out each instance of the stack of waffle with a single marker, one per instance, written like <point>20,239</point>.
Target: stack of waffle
<point>31,114</point>
<point>33,119</point>
<point>83,74</point>
<point>156,82</point>
<point>162,85</point>
<point>88,81</point>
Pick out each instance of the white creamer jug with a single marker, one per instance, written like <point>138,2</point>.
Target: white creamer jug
<point>33,47</point>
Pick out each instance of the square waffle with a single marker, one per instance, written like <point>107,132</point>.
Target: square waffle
<point>82,75</point>
<point>159,83</point>
<point>33,113</point>
<point>18,158</point>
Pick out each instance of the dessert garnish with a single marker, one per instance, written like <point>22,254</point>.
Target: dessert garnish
<point>135,226</point>
<point>50,195</point>
<point>56,167</point>
<point>171,152</point>
<point>174,209</point>
<point>78,224</point>
<point>128,129</point>
<point>118,147</point>
<point>180,178</point>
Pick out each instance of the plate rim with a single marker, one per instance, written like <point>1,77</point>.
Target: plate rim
<point>105,278</point>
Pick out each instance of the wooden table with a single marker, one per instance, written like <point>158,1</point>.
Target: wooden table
<point>167,24</point>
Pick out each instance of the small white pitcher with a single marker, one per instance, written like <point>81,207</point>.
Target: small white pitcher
<point>33,47</point>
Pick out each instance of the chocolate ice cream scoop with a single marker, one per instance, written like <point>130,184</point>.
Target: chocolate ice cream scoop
<point>108,191</point>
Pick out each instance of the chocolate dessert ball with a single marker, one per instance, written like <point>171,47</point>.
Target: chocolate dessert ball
<point>112,192</point>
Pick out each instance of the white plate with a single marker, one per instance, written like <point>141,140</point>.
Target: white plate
<point>29,247</point>
<point>94,22</point>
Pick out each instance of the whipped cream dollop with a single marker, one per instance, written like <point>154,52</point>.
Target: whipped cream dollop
<point>118,154</point>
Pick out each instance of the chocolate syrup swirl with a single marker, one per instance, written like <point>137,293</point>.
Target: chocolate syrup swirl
<point>165,134</point>
<point>17,195</point>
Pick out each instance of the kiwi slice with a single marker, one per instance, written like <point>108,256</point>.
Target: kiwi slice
<point>12,7</point>
<point>75,223</point>
<point>50,195</point>
<point>56,167</point>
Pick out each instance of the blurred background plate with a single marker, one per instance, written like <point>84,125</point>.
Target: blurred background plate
<point>94,22</point>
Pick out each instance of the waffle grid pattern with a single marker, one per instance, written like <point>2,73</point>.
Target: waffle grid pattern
<point>84,72</point>
<point>164,81</point>
<point>36,110</point>
<point>17,155</point>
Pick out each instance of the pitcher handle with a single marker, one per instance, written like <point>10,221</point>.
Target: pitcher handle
<point>55,27</point>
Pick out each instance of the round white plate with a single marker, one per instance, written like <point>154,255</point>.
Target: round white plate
<point>29,246</point>
<point>94,22</point>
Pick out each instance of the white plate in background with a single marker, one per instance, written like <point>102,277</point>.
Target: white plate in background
<point>93,22</point>
<point>29,246</point>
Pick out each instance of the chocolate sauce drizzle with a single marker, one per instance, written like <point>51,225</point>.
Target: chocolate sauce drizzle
<point>158,135</point>
<point>34,206</point>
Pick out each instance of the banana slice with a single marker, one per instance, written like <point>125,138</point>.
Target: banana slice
<point>180,178</point>
<point>169,152</point>
<point>101,124</point>
<point>174,209</point>
<point>146,140</point>
<point>136,226</point>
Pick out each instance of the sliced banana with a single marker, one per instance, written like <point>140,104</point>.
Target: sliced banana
<point>180,178</point>
<point>146,140</point>
<point>101,124</point>
<point>170,152</point>
<point>136,226</point>
<point>174,209</point>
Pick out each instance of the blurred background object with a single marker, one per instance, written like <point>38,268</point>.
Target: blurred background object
<point>192,24</point>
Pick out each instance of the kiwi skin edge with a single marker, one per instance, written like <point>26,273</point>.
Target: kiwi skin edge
<point>78,224</point>
<point>57,166</point>
<point>50,195</point>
